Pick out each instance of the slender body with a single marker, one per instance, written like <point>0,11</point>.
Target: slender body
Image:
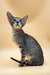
<point>30,48</point>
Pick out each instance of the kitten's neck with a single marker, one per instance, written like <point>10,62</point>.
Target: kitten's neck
<point>17,32</point>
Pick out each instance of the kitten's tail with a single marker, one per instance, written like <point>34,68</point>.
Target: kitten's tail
<point>22,62</point>
<point>17,60</point>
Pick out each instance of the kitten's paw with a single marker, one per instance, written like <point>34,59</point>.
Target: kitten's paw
<point>21,65</point>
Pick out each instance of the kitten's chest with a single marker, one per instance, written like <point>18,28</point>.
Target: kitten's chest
<point>13,37</point>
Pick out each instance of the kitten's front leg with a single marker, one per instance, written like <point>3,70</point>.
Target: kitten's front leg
<point>22,57</point>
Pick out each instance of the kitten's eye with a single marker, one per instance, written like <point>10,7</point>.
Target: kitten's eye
<point>20,20</point>
<point>14,20</point>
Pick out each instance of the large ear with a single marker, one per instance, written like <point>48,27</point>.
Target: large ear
<point>24,19</point>
<point>10,17</point>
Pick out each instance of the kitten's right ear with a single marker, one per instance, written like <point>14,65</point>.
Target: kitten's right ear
<point>10,17</point>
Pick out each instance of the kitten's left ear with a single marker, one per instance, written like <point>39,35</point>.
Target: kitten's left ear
<point>24,19</point>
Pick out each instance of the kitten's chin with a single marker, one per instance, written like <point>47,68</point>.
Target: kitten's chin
<point>17,28</point>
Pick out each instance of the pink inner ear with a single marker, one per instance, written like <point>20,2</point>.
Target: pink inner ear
<point>24,22</point>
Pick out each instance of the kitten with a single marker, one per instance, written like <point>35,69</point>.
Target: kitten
<point>30,48</point>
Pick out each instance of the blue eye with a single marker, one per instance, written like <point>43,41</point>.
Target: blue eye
<point>20,20</point>
<point>14,20</point>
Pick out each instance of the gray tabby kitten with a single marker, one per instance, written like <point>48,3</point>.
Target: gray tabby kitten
<point>30,48</point>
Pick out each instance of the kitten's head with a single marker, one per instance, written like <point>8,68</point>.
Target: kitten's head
<point>16,22</point>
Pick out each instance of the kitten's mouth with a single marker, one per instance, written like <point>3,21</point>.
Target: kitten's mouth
<point>17,27</point>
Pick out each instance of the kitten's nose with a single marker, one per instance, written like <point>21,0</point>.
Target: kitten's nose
<point>17,22</point>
